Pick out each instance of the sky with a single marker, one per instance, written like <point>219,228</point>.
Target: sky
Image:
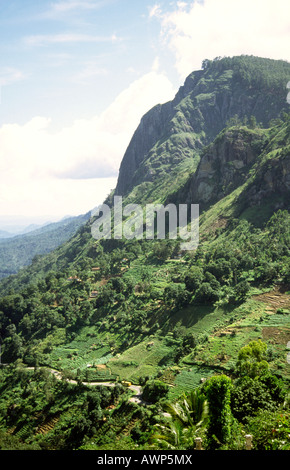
<point>76,77</point>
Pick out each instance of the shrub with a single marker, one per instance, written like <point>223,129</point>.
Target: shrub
<point>248,396</point>
<point>154,390</point>
<point>218,392</point>
<point>206,294</point>
<point>270,430</point>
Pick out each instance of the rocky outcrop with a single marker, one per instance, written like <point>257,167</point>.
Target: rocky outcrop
<point>149,131</point>
<point>271,183</point>
<point>225,165</point>
<point>240,156</point>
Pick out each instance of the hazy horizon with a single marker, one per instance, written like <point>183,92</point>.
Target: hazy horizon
<point>17,223</point>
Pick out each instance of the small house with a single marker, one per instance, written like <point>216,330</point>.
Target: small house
<point>74,278</point>
<point>94,294</point>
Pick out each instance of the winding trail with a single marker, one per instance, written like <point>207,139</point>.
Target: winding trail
<point>135,388</point>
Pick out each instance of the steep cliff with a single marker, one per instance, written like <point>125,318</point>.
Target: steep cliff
<point>225,164</point>
<point>269,183</point>
<point>251,165</point>
<point>174,133</point>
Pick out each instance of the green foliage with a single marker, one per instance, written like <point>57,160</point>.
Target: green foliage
<point>250,395</point>
<point>218,393</point>
<point>168,436</point>
<point>67,414</point>
<point>252,359</point>
<point>252,71</point>
<point>14,443</point>
<point>187,416</point>
<point>271,430</point>
<point>154,390</point>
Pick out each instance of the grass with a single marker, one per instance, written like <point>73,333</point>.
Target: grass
<point>86,349</point>
<point>247,322</point>
<point>198,319</point>
<point>189,379</point>
<point>221,331</point>
<point>140,360</point>
<point>258,215</point>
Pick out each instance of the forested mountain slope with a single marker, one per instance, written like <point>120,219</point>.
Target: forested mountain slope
<point>146,312</point>
<point>20,250</point>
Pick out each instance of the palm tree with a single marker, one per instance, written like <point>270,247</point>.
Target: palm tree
<point>186,417</point>
<point>167,436</point>
<point>196,406</point>
<point>191,410</point>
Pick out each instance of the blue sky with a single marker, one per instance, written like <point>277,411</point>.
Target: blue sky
<point>70,59</point>
<point>76,76</point>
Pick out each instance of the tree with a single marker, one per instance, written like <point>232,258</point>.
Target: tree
<point>252,359</point>
<point>191,409</point>
<point>193,278</point>
<point>206,63</point>
<point>167,436</point>
<point>220,268</point>
<point>187,416</point>
<point>240,291</point>
<point>218,393</point>
<point>271,430</point>
<point>206,294</point>
<point>253,122</point>
<point>13,348</point>
<point>154,390</point>
<point>162,250</point>
<point>249,395</point>
<point>234,121</point>
<point>177,294</point>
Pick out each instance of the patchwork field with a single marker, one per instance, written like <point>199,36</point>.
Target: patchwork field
<point>220,333</point>
<point>139,361</point>
<point>256,319</point>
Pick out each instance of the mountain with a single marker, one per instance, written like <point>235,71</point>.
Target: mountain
<point>18,251</point>
<point>170,137</point>
<point>5,234</point>
<point>181,326</point>
<point>17,225</point>
<point>31,228</point>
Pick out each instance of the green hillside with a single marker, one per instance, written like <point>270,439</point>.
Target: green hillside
<point>20,250</point>
<point>202,334</point>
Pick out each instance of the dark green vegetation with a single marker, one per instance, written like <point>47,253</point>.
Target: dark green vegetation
<point>21,250</point>
<point>163,319</point>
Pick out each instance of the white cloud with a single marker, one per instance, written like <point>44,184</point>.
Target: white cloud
<point>155,11</point>
<point>10,75</point>
<point>43,39</point>
<point>69,5</point>
<point>72,170</point>
<point>212,28</point>
<point>156,64</point>
<point>68,9</point>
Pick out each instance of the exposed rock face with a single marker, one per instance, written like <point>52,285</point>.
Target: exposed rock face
<point>150,129</point>
<point>272,180</point>
<point>224,165</point>
<point>227,163</point>
<point>172,132</point>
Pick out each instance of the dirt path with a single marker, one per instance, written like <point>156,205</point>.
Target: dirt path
<point>138,397</point>
<point>135,388</point>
